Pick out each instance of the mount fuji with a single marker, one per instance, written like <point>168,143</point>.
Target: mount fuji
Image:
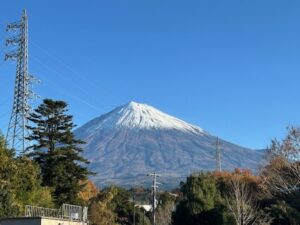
<point>135,139</point>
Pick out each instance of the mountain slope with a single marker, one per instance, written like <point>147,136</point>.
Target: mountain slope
<point>135,139</point>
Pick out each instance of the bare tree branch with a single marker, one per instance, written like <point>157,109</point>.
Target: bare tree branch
<point>242,204</point>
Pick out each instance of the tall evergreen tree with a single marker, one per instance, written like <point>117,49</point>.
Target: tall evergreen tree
<point>57,151</point>
<point>201,203</point>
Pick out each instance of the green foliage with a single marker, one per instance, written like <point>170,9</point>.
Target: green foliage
<point>8,166</point>
<point>142,218</point>
<point>7,206</point>
<point>57,151</point>
<point>20,183</point>
<point>284,210</point>
<point>28,184</point>
<point>8,171</point>
<point>100,214</point>
<point>165,198</point>
<point>113,206</point>
<point>120,204</point>
<point>202,202</point>
<point>201,192</point>
<point>283,213</point>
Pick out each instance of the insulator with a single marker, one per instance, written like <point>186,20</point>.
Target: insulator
<point>33,95</point>
<point>11,56</point>
<point>33,79</point>
<point>12,41</point>
<point>13,26</point>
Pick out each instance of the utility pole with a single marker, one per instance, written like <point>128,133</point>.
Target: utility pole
<point>154,189</point>
<point>17,128</point>
<point>144,216</point>
<point>218,155</point>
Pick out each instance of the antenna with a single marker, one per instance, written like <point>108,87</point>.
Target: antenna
<point>154,189</point>
<point>17,128</point>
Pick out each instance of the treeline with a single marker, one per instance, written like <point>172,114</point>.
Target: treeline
<point>20,184</point>
<point>52,171</point>
<point>270,197</point>
<point>241,198</point>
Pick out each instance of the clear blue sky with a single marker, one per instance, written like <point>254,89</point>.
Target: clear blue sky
<point>231,67</point>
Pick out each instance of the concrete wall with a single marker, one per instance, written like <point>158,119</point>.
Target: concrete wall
<point>38,221</point>
<point>21,221</point>
<point>46,221</point>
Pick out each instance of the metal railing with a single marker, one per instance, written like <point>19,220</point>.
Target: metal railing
<point>34,211</point>
<point>71,212</point>
<point>66,212</point>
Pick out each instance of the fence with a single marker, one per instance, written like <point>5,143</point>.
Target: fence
<point>66,212</point>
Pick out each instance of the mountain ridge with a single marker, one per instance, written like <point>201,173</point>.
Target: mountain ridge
<point>142,116</point>
<point>134,139</point>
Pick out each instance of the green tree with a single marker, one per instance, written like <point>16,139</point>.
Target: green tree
<point>57,151</point>
<point>121,204</point>
<point>113,206</point>
<point>27,185</point>
<point>20,183</point>
<point>8,205</point>
<point>99,211</point>
<point>202,202</point>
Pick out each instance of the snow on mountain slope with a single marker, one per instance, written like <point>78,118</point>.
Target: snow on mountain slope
<point>134,139</point>
<point>136,115</point>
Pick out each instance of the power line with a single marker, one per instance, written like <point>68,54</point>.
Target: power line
<point>60,61</point>
<point>78,85</point>
<point>75,97</point>
<point>74,72</point>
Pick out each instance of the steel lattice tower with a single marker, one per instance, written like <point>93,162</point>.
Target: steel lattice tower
<point>17,131</point>
<point>218,155</point>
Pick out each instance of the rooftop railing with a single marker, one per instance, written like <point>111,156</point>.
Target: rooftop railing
<point>65,212</point>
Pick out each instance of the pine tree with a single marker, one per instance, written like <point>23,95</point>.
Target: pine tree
<point>57,151</point>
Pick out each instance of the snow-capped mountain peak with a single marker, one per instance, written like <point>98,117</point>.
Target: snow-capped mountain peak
<point>136,115</point>
<point>131,140</point>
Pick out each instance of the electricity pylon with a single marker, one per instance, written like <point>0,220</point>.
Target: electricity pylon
<point>154,189</point>
<point>218,155</point>
<point>17,128</point>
